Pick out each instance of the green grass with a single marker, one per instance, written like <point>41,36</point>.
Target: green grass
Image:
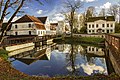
<point>92,39</point>
<point>85,40</point>
<point>4,54</point>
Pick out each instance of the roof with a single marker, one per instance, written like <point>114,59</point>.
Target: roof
<point>27,18</point>
<point>42,19</point>
<point>40,26</point>
<point>107,18</point>
<point>53,26</point>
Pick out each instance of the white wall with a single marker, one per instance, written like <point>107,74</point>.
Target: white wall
<point>60,29</point>
<point>100,26</point>
<point>24,29</point>
<point>41,32</point>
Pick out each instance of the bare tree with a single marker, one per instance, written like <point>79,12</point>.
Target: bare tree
<point>5,5</point>
<point>71,7</point>
<point>90,12</point>
<point>113,10</point>
<point>102,12</point>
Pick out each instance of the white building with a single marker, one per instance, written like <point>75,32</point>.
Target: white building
<point>53,27</point>
<point>63,27</point>
<point>46,22</point>
<point>28,25</point>
<point>101,25</point>
<point>95,50</point>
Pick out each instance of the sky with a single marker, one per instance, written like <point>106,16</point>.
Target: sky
<point>53,8</point>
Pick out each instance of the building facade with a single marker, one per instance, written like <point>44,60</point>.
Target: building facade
<point>28,25</point>
<point>53,27</point>
<point>101,25</point>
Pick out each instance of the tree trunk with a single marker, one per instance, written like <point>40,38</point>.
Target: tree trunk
<point>9,22</point>
<point>72,21</point>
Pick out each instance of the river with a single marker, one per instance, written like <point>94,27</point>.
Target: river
<point>61,59</point>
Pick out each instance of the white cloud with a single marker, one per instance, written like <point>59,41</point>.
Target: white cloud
<point>88,0</point>
<point>25,7</point>
<point>106,5</point>
<point>39,11</point>
<point>14,19</point>
<point>89,69</point>
<point>57,17</point>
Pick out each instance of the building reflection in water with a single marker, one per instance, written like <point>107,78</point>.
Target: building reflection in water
<point>29,55</point>
<point>90,54</point>
<point>77,60</point>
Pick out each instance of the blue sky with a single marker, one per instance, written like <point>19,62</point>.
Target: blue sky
<point>53,8</point>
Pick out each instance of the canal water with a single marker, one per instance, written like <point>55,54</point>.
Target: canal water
<point>60,59</point>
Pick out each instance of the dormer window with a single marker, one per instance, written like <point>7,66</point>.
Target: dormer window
<point>29,25</point>
<point>16,26</point>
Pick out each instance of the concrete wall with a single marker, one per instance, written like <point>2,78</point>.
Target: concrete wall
<point>16,47</point>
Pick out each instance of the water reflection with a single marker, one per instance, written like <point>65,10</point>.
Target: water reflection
<point>61,59</point>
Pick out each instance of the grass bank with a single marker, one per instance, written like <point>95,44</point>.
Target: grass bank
<point>87,40</point>
<point>4,54</point>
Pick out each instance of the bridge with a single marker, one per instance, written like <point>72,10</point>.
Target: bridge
<point>112,42</point>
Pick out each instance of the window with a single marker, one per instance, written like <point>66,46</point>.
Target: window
<point>16,33</point>
<point>107,31</point>
<point>96,49</point>
<point>111,25</point>
<point>29,32</point>
<point>111,30</point>
<point>16,26</point>
<point>41,32</point>
<point>89,49</point>
<point>107,25</point>
<point>93,26</point>
<point>29,25</point>
<point>93,31</point>
<point>103,25</point>
<point>92,49</point>
<point>96,25</point>
<point>103,31</point>
<point>89,30</point>
<point>89,26</point>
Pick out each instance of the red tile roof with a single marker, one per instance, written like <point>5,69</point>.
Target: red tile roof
<point>27,18</point>
<point>40,26</point>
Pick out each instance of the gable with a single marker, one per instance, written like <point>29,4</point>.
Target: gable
<point>27,18</point>
<point>42,19</point>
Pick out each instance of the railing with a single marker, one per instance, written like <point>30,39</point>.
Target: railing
<point>113,41</point>
<point>15,40</point>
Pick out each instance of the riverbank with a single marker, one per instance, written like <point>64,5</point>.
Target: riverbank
<point>7,72</point>
<point>85,40</point>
